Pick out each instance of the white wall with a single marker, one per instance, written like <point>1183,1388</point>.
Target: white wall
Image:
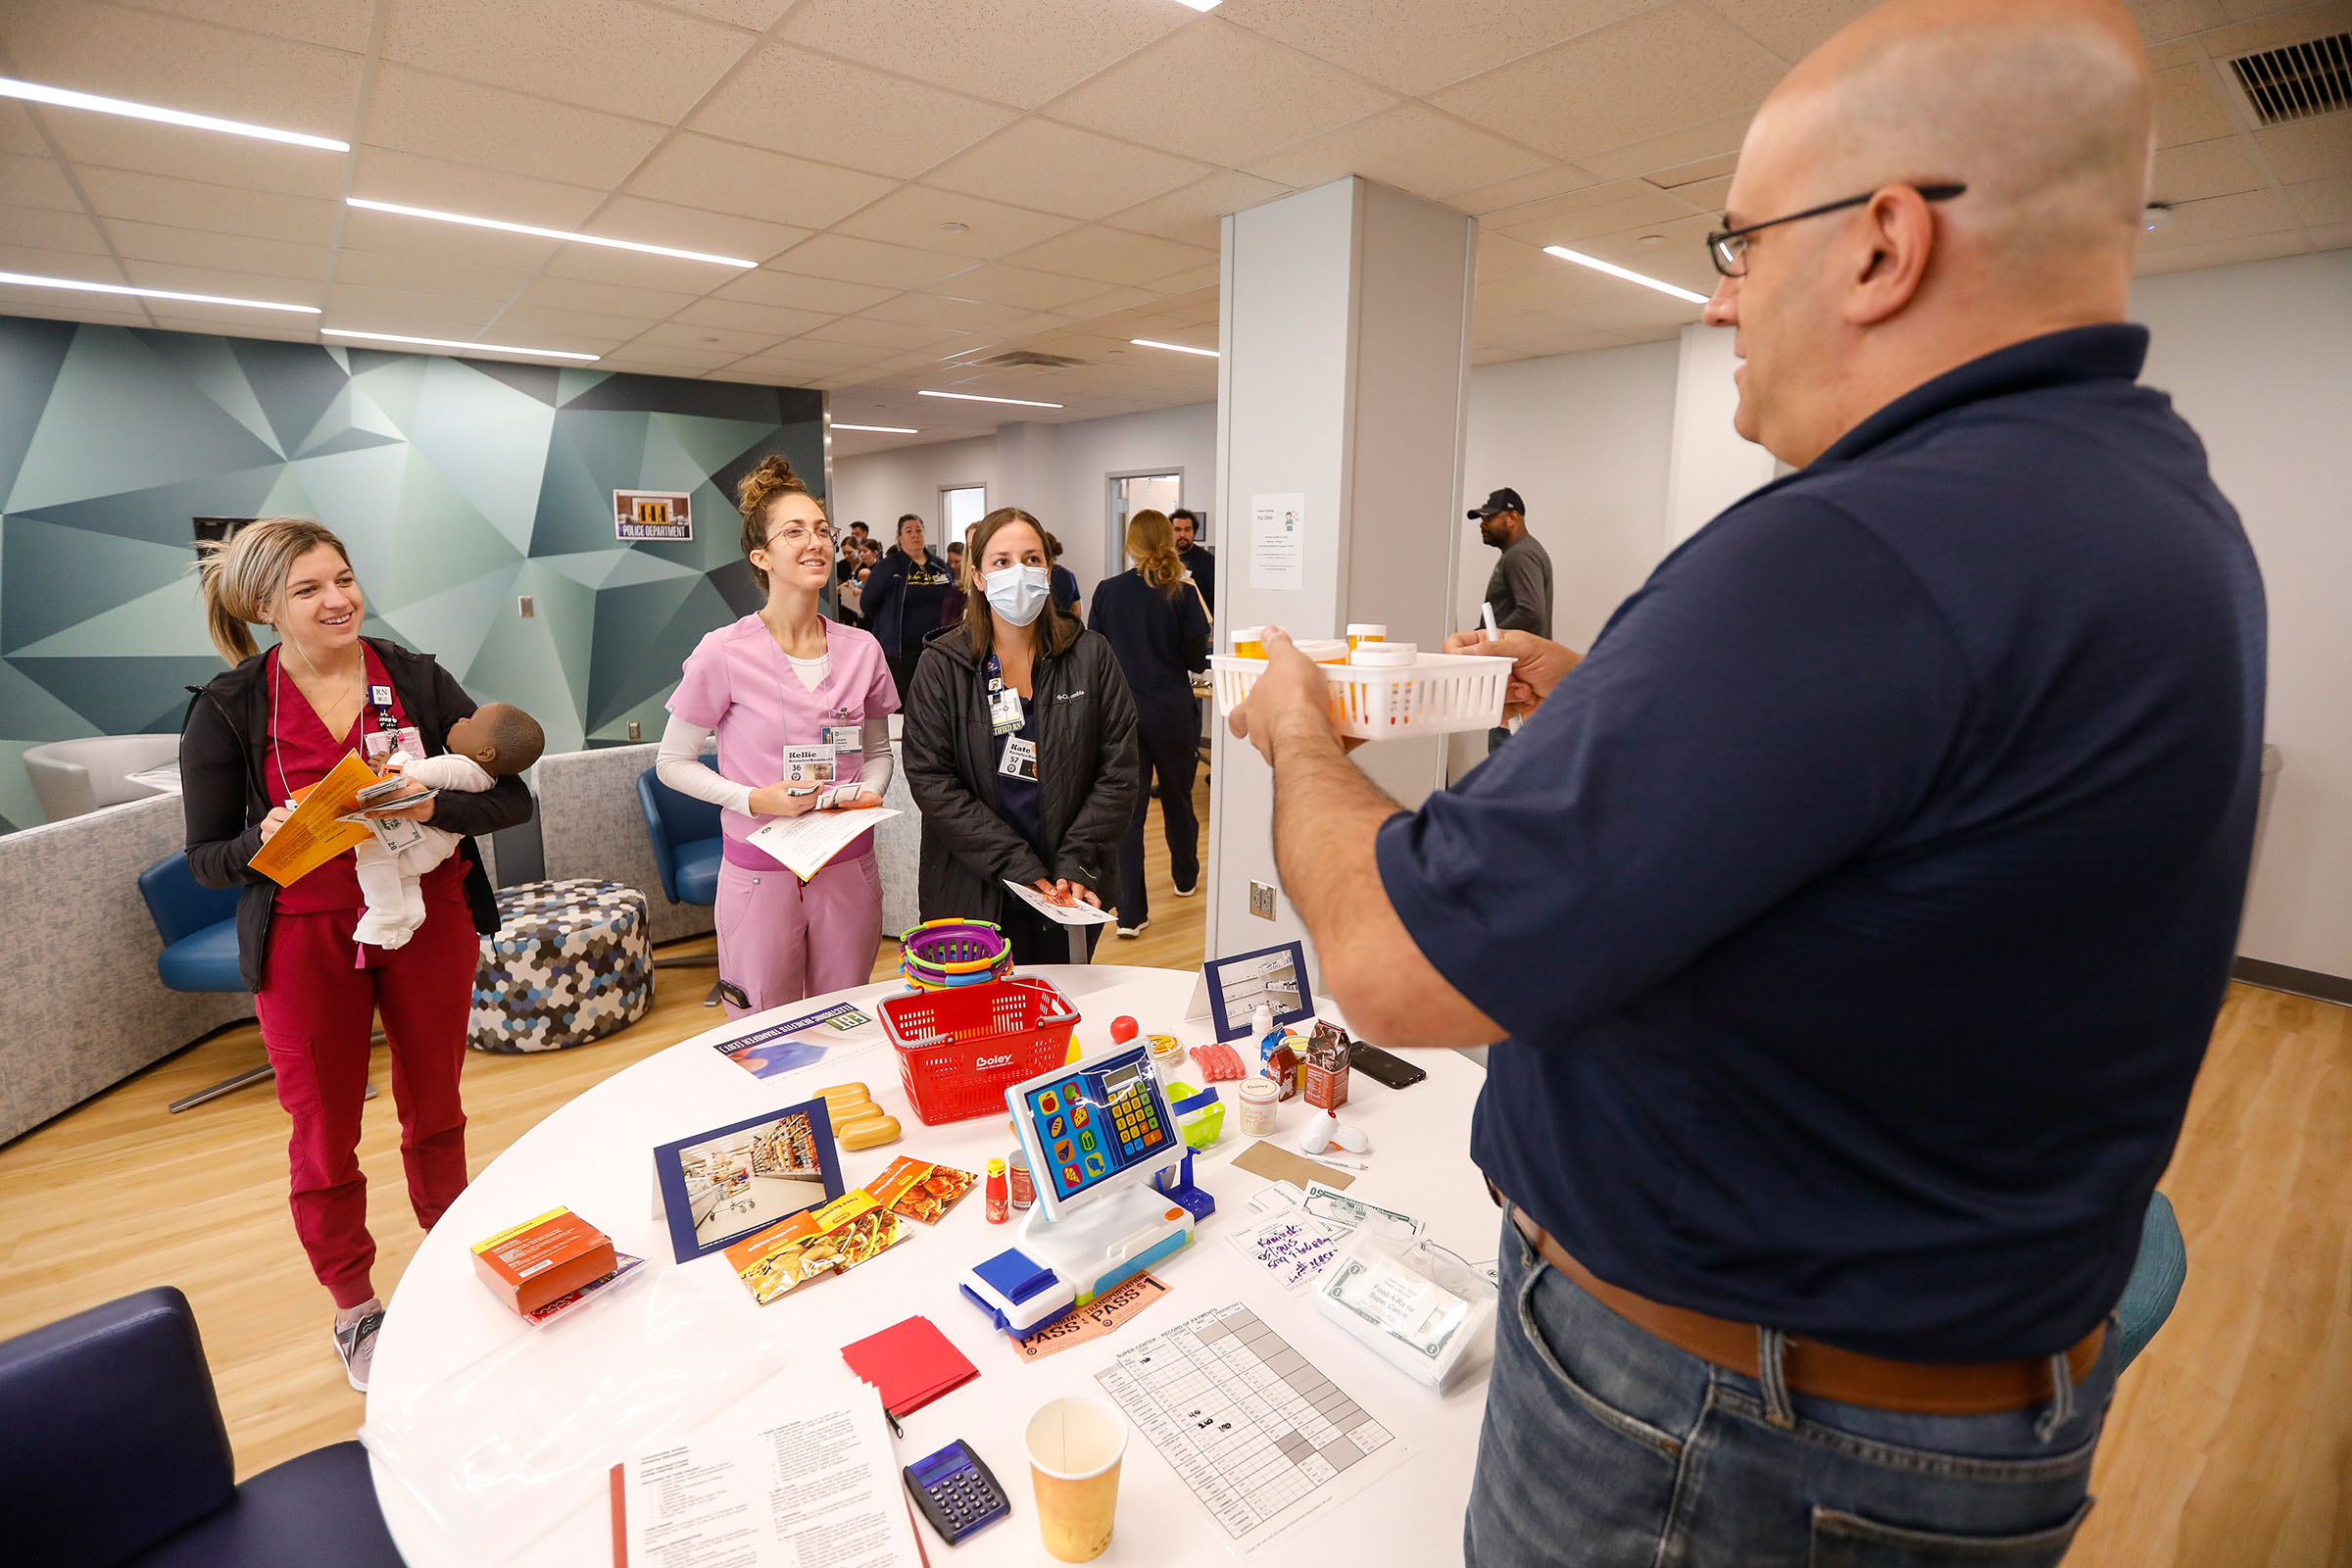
<point>1058,473</point>
<point>1713,465</point>
<point>2258,356</point>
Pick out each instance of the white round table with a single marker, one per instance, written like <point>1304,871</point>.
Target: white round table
<point>593,1156</point>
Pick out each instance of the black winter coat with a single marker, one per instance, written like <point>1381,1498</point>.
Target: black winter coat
<point>224,796</point>
<point>1087,774</point>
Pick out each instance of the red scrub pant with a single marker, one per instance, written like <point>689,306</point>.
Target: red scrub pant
<point>317,1011</point>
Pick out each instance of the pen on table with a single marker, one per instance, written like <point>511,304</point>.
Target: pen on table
<point>1344,1165</point>
<point>1486,614</point>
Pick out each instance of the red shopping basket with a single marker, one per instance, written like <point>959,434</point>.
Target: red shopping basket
<point>960,1049</point>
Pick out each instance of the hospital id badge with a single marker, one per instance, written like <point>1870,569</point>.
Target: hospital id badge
<point>1019,760</point>
<point>849,748</point>
<point>808,764</point>
<point>1004,711</point>
<point>407,740</point>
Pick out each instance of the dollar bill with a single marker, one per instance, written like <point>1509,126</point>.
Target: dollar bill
<point>1347,1213</point>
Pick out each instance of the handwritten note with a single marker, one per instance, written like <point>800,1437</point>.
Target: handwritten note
<point>1292,1246</point>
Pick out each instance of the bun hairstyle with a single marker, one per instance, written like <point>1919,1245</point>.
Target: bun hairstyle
<point>238,580</point>
<point>1151,544</point>
<point>754,493</point>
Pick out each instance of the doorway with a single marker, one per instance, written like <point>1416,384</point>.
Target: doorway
<point>1131,493</point>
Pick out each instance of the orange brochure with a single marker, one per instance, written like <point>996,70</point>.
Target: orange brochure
<point>310,836</point>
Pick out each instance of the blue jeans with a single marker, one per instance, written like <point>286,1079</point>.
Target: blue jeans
<point>1607,1447</point>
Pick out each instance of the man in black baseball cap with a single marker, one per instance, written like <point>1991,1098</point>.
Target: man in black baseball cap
<point>1520,589</point>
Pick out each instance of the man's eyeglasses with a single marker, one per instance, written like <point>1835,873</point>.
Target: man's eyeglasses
<point>1727,248</point>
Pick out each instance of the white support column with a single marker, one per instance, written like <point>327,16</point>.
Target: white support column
<point>1345,338</point>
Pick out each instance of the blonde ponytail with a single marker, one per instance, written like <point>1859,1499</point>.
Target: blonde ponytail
<point>1151,543</point>
<point>239,580</point>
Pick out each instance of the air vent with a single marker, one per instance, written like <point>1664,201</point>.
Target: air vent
<point>2298,82</point>
<point>1029,359</point>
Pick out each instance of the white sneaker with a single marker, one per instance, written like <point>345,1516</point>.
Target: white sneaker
<point>355,1343</point>
<point>1184,890</point>
<point>1135,930</point>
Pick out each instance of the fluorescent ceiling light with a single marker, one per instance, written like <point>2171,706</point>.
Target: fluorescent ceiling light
<point>879,429</point>
<point>1614,270</point>
<point>32,92</point>
<point>1202,5</point>
<point>975,397</point>
<point>563,235</point>
<point>453,343</point>
<point>28,280</point>
<point>1178,348</point>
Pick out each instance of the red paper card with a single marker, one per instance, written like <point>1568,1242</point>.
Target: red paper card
<point>910,1363</point>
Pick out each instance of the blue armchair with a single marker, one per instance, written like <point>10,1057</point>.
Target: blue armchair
<point>199,928</point>
<point>113,1453</point>
<point>688,850</point>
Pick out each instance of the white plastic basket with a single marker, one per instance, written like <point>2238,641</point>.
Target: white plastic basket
<point>1437,694</point>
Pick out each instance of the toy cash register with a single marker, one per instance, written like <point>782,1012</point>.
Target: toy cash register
<point>1114,1189</point>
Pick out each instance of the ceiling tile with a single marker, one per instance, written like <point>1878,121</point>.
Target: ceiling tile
<point>724,177</point>
<point>603,299</point>
<point>392,234</point>
<point>2329,236</point>
<point>1544,184</point>
<point>741,315</point>
<point>1220,93</point>
<point>465,122</point>
<point>228,322</point>
<point>364,308</point>
<point>434,275</point>
<point>329,23</point>
<point>833,296</point>
<point>1709,139</point>
<point>792,101</point>
<point>2160,19</point>
<point>47,304</point>
<point>195,247</point>
<point>230,283</point>
<point>1014,51</point>
<point>384,176</point>
<point>2218,218</point>
<point>2268,24</point>
<point>1594,209</point>
<point>46,228</point>
<point>122,53</point>
<point>698,339</point>
<point>18,133</point>
<point>109,142</point>
<point>651,223</point>
<point>1001,284</point>
<point>2221,252</point>
<point>1205,275</point>
<point>903,337</point>
<point>36,182</point>
<point>91,266</point>
<point>2322,201</point>
<point>865,261</point>
<point>1058,169</point>
<point>912,215</point>
<point>1417,46</point>
<point>1195,213</point>
<point>1708,195</point>
<point>2188,107</point>
<point>631,269</point>
<point>562,329</point>
<point>1411,147</point>
<point>663,361</point>
<point>2312,149</point>
<point>1659,71</point>
<point>1790,28</point>
<point>756,15</point>
<point>1113,256</point>
<point>2198,169</point>
<point>835,356</point>
<point>1690,174</point>
<point>769,370</point>
<point>946,312</point>
<point>154,199</point>
<point>600,53</point>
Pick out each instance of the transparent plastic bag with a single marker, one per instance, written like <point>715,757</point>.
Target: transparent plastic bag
<point>1424,1310</point>
<point>501,1451</point>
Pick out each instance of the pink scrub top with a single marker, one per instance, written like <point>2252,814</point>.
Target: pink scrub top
<point>738,682</point>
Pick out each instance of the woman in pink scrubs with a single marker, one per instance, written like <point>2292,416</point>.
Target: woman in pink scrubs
<point>796,700</point>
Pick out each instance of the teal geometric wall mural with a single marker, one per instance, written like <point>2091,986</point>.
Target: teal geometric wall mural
<point>458,486</point>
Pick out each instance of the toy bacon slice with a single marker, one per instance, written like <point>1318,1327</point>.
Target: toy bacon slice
<point>1217,1063</point>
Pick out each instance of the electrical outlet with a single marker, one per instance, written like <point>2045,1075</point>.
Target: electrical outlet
<point>1262,900</point>
<point>525,607</point>
<point>636,730</point>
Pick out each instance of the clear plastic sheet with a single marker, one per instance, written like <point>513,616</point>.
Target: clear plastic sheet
<point>1424,1310</point>
<point>501,1451</point>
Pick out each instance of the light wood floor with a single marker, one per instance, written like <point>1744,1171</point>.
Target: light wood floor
<point>2230,1444</point>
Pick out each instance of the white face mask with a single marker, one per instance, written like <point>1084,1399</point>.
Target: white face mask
<point>1019,593</point>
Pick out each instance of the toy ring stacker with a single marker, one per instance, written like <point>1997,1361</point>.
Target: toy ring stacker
<point>942,954</point>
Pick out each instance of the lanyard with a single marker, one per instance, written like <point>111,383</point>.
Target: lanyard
<point>1003,703</point>
<point>379,698</point>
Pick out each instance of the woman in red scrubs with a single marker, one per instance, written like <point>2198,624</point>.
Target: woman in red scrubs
<point>277,724</point>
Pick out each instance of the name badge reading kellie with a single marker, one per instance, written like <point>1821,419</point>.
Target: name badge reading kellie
<point>1004,711</point>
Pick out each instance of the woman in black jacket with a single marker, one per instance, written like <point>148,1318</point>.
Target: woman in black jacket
<point>273,725</point>
<point>1019,743</point>
<point>900,601</point>
<point>1158,627</point>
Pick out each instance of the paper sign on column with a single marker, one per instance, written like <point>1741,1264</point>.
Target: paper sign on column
<point>806,842</point>
<point>1278,541</point>
<point>801,1470</point>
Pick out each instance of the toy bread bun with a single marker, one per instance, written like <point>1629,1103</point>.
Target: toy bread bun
<point>868,1131</point>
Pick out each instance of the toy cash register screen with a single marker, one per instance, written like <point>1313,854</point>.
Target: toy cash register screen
<point>1099,1121</point>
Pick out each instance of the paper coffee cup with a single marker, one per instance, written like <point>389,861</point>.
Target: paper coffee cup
<point>1074,1445</point>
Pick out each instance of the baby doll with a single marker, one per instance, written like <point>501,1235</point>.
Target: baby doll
<point>494,741</point>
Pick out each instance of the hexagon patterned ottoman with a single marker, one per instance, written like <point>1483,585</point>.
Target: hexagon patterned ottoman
<point>570,962</point>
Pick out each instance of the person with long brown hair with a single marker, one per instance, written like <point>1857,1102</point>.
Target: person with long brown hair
<point>801,706</point>
<point>1020,748</point>
<point>1156,624</point>
<point>277,724</point>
